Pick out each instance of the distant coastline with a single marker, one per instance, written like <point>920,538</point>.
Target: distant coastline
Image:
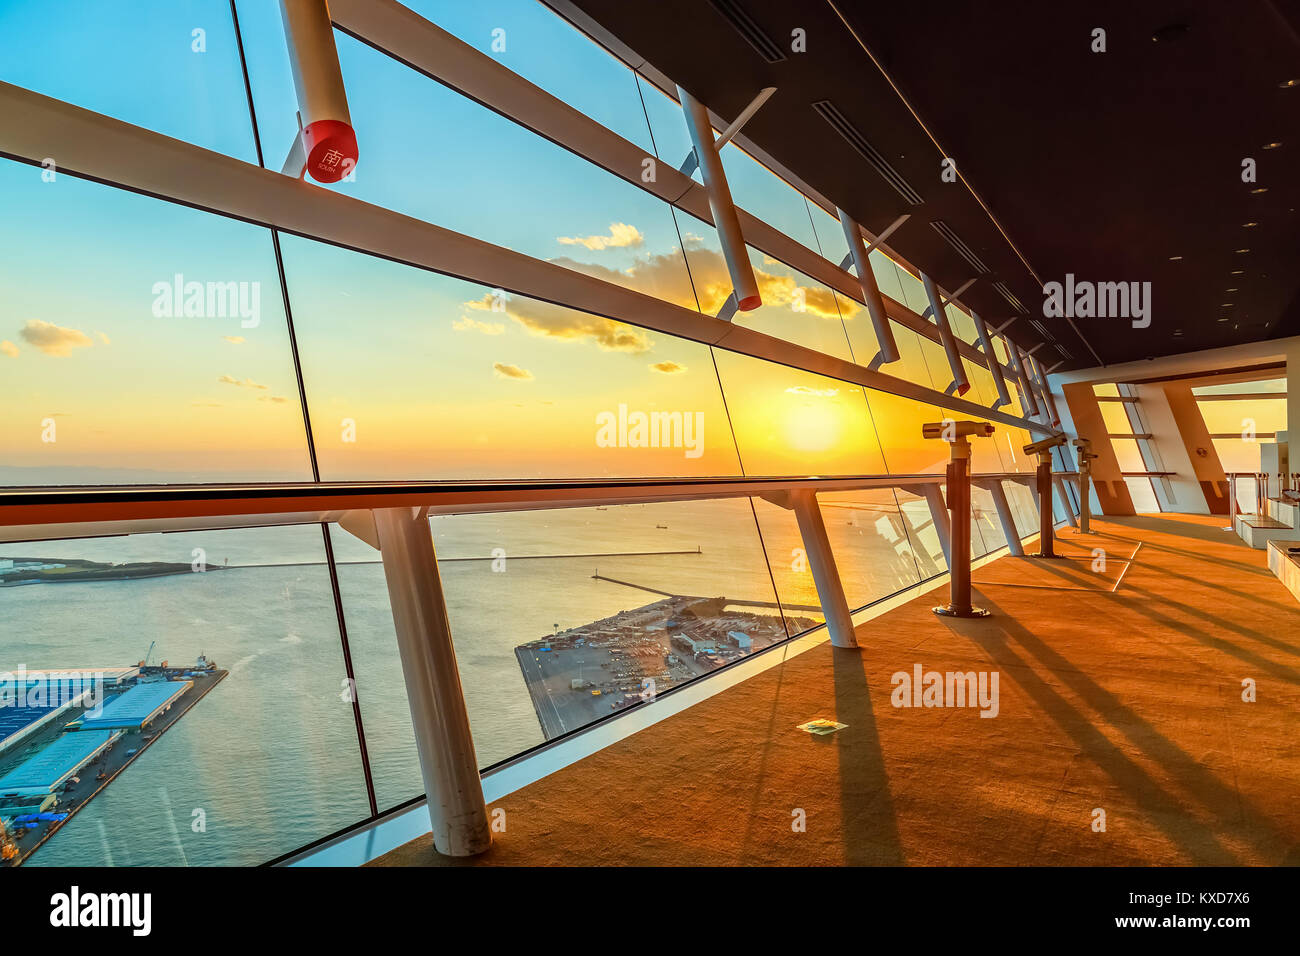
<point>76,569</point>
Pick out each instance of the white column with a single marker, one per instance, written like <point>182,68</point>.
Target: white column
<point>442,734</point>
<point>821,560</point>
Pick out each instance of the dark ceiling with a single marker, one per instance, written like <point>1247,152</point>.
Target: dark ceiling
<point>1104,165</point>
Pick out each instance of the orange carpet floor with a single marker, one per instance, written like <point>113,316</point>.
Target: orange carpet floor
<point>1120,690</point>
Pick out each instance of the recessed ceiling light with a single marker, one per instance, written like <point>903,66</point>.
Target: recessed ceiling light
<point>1229,290</point>
<point>1288,84</point>
<point>1237,272</point>
<point>1225,305</point>
<point>1261,189</point>
<point>1175,258</point>
<point>1243,250</point>
<point>1272,145</point>
<point>1249,225</point>
<point>1224,319</point>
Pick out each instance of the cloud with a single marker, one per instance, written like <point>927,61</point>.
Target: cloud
<point>234,339</point>
<point>807,390</point>
<point>621,235</point>
<point>554,321</point>
<point>668,368</point>
<point>466,324</point>
<point>512,371</point>
<point>9,349</point>
<point>278,399</point>
<point>104,338</point>
<point>246,383</point>
<point>53,339</point>
<point>664,277</point>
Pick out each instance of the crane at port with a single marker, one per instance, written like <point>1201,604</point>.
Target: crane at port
<point>149,653</point>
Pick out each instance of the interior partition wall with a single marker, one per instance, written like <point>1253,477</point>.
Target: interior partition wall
<point>478,303</point>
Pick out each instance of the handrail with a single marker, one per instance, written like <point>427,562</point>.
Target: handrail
<point>91,511</point>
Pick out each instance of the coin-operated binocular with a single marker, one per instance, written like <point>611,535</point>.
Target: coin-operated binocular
<point>1043,449</point>
<point>958,435</point>
<point>1083,448</point>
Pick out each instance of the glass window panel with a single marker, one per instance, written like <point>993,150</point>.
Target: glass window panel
<point>911,365</point>
<point>936,359</point>
<point>604,597</point>
<point>869,539</point>
<point>145,342</point>
<point>171,66</point>
<point>986,528</point>
<point>265,745</point>
<point>459,383</point>
<point>1253,415</point>
<point>498,181</point>
<point>1109,390</point>
<point>1116,418</point>
<point>795,307</point>
<point>1000,349</point>
<point>788,561</point>
<point>963,326</point>
<point>1023,511</point>
<point>1014,408</point>
<point>761,192</point>
<point>898,422</point>
<point>914,296</point>
<point>1128,454</point>
<point>1240,456</point>
<point>1143,495</point>
<point>830,234</point>
<point>886,273</point>
<point>1235,388</point>
<point>668,125</point>
<point>924,536</point>
<point>1011,446</point>
<point>982,384</point>
<point>547,51</point>
<point>792,422</point>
